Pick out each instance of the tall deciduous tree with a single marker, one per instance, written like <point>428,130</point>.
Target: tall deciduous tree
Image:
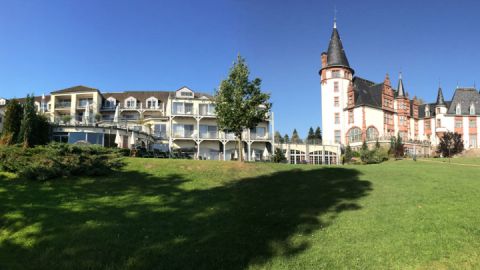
<point>240,103</point>
<point>12,122</point>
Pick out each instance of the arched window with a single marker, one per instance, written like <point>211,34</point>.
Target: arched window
<point>372,134</point>
<point>354,135</point>
<point>472,109</point>
<point>458,110</point>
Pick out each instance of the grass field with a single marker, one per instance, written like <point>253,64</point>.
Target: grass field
<point>174,214</point>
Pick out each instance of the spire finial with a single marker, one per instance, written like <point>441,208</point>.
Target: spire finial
<point>400,75</point>
<point>335,17</point>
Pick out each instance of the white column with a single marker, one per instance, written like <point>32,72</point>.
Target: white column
<point>224,151</point>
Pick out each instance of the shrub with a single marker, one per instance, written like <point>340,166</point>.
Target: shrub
<point>450,144</point>
<point>59,160</point>
<point>279,157</point>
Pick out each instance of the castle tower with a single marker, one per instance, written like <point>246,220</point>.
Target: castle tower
<point>336,77</point>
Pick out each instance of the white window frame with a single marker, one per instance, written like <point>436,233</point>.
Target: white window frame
<point>128,105</point>
<point>153,101</point>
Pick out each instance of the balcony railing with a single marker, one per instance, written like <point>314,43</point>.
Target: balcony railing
<point>209,135</point>
<point>61,105</point>
<point>185,134</point>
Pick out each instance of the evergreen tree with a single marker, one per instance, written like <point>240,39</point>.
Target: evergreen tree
<point>311,135</point>
<point>318,135</point>
<point>26,136</point>
<point>42,130</point>
<point>364,152</point>
<point>240,103</point>
<point>278,138</point>
<point>399,148</point>
<point>12,122</point>
<point>295,137</point>
<point>286,138</point>
<point>348,154</point>
<point>279,156</point>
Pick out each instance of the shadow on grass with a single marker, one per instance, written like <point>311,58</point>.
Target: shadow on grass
<point>139,221</point>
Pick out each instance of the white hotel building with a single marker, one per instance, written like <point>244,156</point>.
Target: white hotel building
<point>355,109</point>
<point>166,120</point>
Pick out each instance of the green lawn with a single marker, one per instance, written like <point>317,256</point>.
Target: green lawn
<point>171,214</point>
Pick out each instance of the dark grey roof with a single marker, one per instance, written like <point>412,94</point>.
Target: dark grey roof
<point>401,89</point>
<point>440,99</point>
<point>465,97</point>
<point>79,88</point>
<point>367,92</point>
<point>421,110</point>
<point>336,56</point>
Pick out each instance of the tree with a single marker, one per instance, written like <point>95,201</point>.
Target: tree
<point>27,131</point>
<point>318,135</point>
<point>286,138</point>
<point>364,152</point>
<point>399,148</point>
<point>240,103</point>
<point>348,154</point>
<point>311,135</point>
<point>12,122</point>
<point>295,137</point>
<point>66,118</point>
<point>42,130</point>
<point>277,137</point>
<point>377,144</point>
<point>450,144</point>
<point>279,156</point>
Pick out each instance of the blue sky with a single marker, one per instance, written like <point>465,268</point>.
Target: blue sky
<point>117,45</point>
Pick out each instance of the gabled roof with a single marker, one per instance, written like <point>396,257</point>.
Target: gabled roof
<point>465,97</point>
<point>74,89</point>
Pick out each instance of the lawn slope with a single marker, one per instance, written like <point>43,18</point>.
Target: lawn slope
<point>175,214</point>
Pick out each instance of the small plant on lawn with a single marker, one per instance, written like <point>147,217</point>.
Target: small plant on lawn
<point>279,157</point>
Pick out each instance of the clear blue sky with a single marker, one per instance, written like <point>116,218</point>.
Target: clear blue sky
<point>117,45</point>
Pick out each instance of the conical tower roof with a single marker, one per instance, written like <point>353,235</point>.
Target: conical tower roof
<point>401,89</point>
<point>336,56</point>
<point>440,99</point>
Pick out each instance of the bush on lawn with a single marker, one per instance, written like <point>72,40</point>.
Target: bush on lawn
<point>59,160</point>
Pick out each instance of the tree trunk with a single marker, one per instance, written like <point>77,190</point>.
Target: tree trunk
<point>240,152</point>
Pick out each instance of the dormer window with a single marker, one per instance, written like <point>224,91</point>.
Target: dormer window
<point>472,109</point>
<point>186,94</point>
<point>458,109</point>
<point>131,103</point>
<point>110,102</point>
<point>427,111</point>
<point>152,103</point>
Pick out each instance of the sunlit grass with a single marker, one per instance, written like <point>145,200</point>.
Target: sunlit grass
<point>170,214</point>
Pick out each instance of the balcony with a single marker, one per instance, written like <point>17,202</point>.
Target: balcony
<point>63,105</point>
<point>254,136</point>
<point>209,135</point>
<point>184,135</point>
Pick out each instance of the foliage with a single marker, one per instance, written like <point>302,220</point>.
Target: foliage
<point>240,103</point>
<point>12,122</point>
<point>396,147</point>
<point>27,127</point>
<point>42,130</point>
<point>58,160</point>
<point>295,137</point>
<point>286,138</point>
<point>278,138</point>
<point>279,156</point>
<point>450,144</point>
<point>66,118</point>
<point>318,134</point>
<point>364,152</point>
<point>377,144</point>
<point>348,154</point>
<point>98,117</point>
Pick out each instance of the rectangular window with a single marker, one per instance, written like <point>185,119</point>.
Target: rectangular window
<point>160,130</point>
<point>335,87</point>
<point>337,136</point>
<point>472,123</point>
<point>350,117</point>
<point>337,118</point>
<point>207,109</point>
<point>336,102</point>
<point>473,140</point>
<point>439,123</point>
<point>427,124</point>
<point>186,94</point>
<point>458,123</point>
<point>208,132</point>
<point>335,73</point>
